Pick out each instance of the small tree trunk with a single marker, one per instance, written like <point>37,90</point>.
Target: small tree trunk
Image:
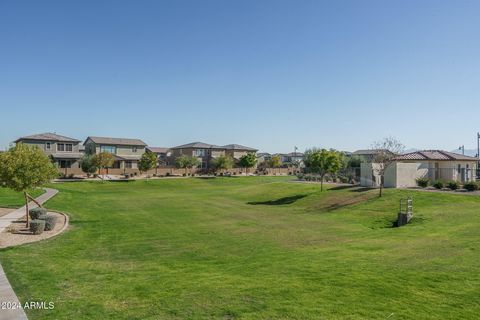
<point>381,188</point>
<point>26,206</point>
<point>321,183</point>
<point>35,201</point>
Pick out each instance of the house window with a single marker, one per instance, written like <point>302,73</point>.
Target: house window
<point>134,149</point>
<point>68,147</point>
<point>47,145</point>
<point>109,149</point>
<point>128,164</point>
<point>60,146</point>
<point>199,153</point>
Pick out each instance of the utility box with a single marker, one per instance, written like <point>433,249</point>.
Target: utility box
<point>406,212</point>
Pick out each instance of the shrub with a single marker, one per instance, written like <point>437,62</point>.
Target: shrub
<point>438,184</point>
<point>422,182</point>
<point>49,222</point>
<point>37,226</point>
<point>471,185</point>
<point>36,213</point>
<point>453,185</point>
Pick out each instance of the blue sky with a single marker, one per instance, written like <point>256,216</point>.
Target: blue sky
<point>268,74</point>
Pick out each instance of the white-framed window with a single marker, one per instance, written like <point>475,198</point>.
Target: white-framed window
<point>48,145</point>
<point>199,153</point>
<point>109,149</point>
<point>69,147</point>
<point>60,146</point>
<point>134,149</point>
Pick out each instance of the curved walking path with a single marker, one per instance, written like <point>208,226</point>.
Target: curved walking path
<point>7,295</point>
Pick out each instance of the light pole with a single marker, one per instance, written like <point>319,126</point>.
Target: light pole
<point>462,148</point>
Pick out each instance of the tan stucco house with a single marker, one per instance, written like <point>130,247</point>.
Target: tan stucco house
<point>64,151</point>
<point>127,152</point>
<point>430,164</point>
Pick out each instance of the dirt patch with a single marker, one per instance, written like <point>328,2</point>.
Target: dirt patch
<point>16,234</point>
<point>346,199</point>
<point>4,211</point>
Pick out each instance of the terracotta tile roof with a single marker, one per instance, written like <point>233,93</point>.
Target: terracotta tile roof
<point>47,136</point>
<point>117,141</point>
<point>437,155</point>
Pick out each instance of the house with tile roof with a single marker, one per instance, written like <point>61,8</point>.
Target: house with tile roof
<point>430,164</point>
<point>64,151</point>
<point>163,155</point>
<point>207,152</point>
<point>127,151</point>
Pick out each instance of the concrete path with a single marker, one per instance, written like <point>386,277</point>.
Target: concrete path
<point>7,219</point>
<point>9,303</point>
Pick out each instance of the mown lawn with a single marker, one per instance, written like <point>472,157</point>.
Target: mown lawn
<point>251,248</point>
<point>12,199</point>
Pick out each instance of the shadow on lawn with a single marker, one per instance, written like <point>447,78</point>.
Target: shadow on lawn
<point>342,187</point>
<point>279,202</point>
<point>362,189</point>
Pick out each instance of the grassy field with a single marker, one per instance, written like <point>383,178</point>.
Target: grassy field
<point>12,199</point>
<point>251,248</point>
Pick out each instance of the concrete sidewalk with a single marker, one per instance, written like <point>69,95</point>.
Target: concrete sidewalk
<point>7,219</point>
<point>8,298</point>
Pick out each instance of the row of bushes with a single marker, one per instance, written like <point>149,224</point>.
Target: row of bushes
<point>327,178</point>
<point>452,185</point>
<point>41,220</point>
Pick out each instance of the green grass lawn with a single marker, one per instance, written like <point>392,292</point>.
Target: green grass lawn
<point>251,248</point>
<point>12,199</point>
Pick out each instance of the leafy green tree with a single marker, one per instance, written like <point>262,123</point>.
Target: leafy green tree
<point>103,160</point>
<point>23,168</point>
<point>186,162</point>
<point>248,160</point>
<point>88,165</point>
<point>147,162</point>
<point>222,163</point>
<point>323,162</point>
<point>275,161</point>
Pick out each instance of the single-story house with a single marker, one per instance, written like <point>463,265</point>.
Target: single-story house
<point>430,164</point>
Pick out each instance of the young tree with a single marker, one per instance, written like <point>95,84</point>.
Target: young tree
<point>323,161</point>
<point>23,168</point>
<point>275,161</point>
<point>248,160</point>
<point>88,165</point>
<point>186,162</point>
<point>147,162</point>
<point>385,152</point>
<point>222,163</point>
<point>103,160</point>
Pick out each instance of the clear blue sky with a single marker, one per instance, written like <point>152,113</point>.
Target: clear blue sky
<point>268,74</point>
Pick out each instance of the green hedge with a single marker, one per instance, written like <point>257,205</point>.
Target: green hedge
<point>37,226</point>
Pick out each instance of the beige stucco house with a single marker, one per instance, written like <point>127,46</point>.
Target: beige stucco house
<point>430,164</point>
<point>64,151</point>
<point>127,152</point>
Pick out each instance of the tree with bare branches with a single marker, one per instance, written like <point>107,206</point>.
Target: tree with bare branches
<point>385,152</point>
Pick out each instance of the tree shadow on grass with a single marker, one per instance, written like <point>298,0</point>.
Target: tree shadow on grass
<point>362,189</point>
<point>279,202</point>
<point>342,187</point>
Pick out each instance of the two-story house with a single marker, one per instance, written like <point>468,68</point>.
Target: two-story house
<point>127,152</point>
<point>205,152</point>
<point>64,151</point>
<point>163,155</point>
